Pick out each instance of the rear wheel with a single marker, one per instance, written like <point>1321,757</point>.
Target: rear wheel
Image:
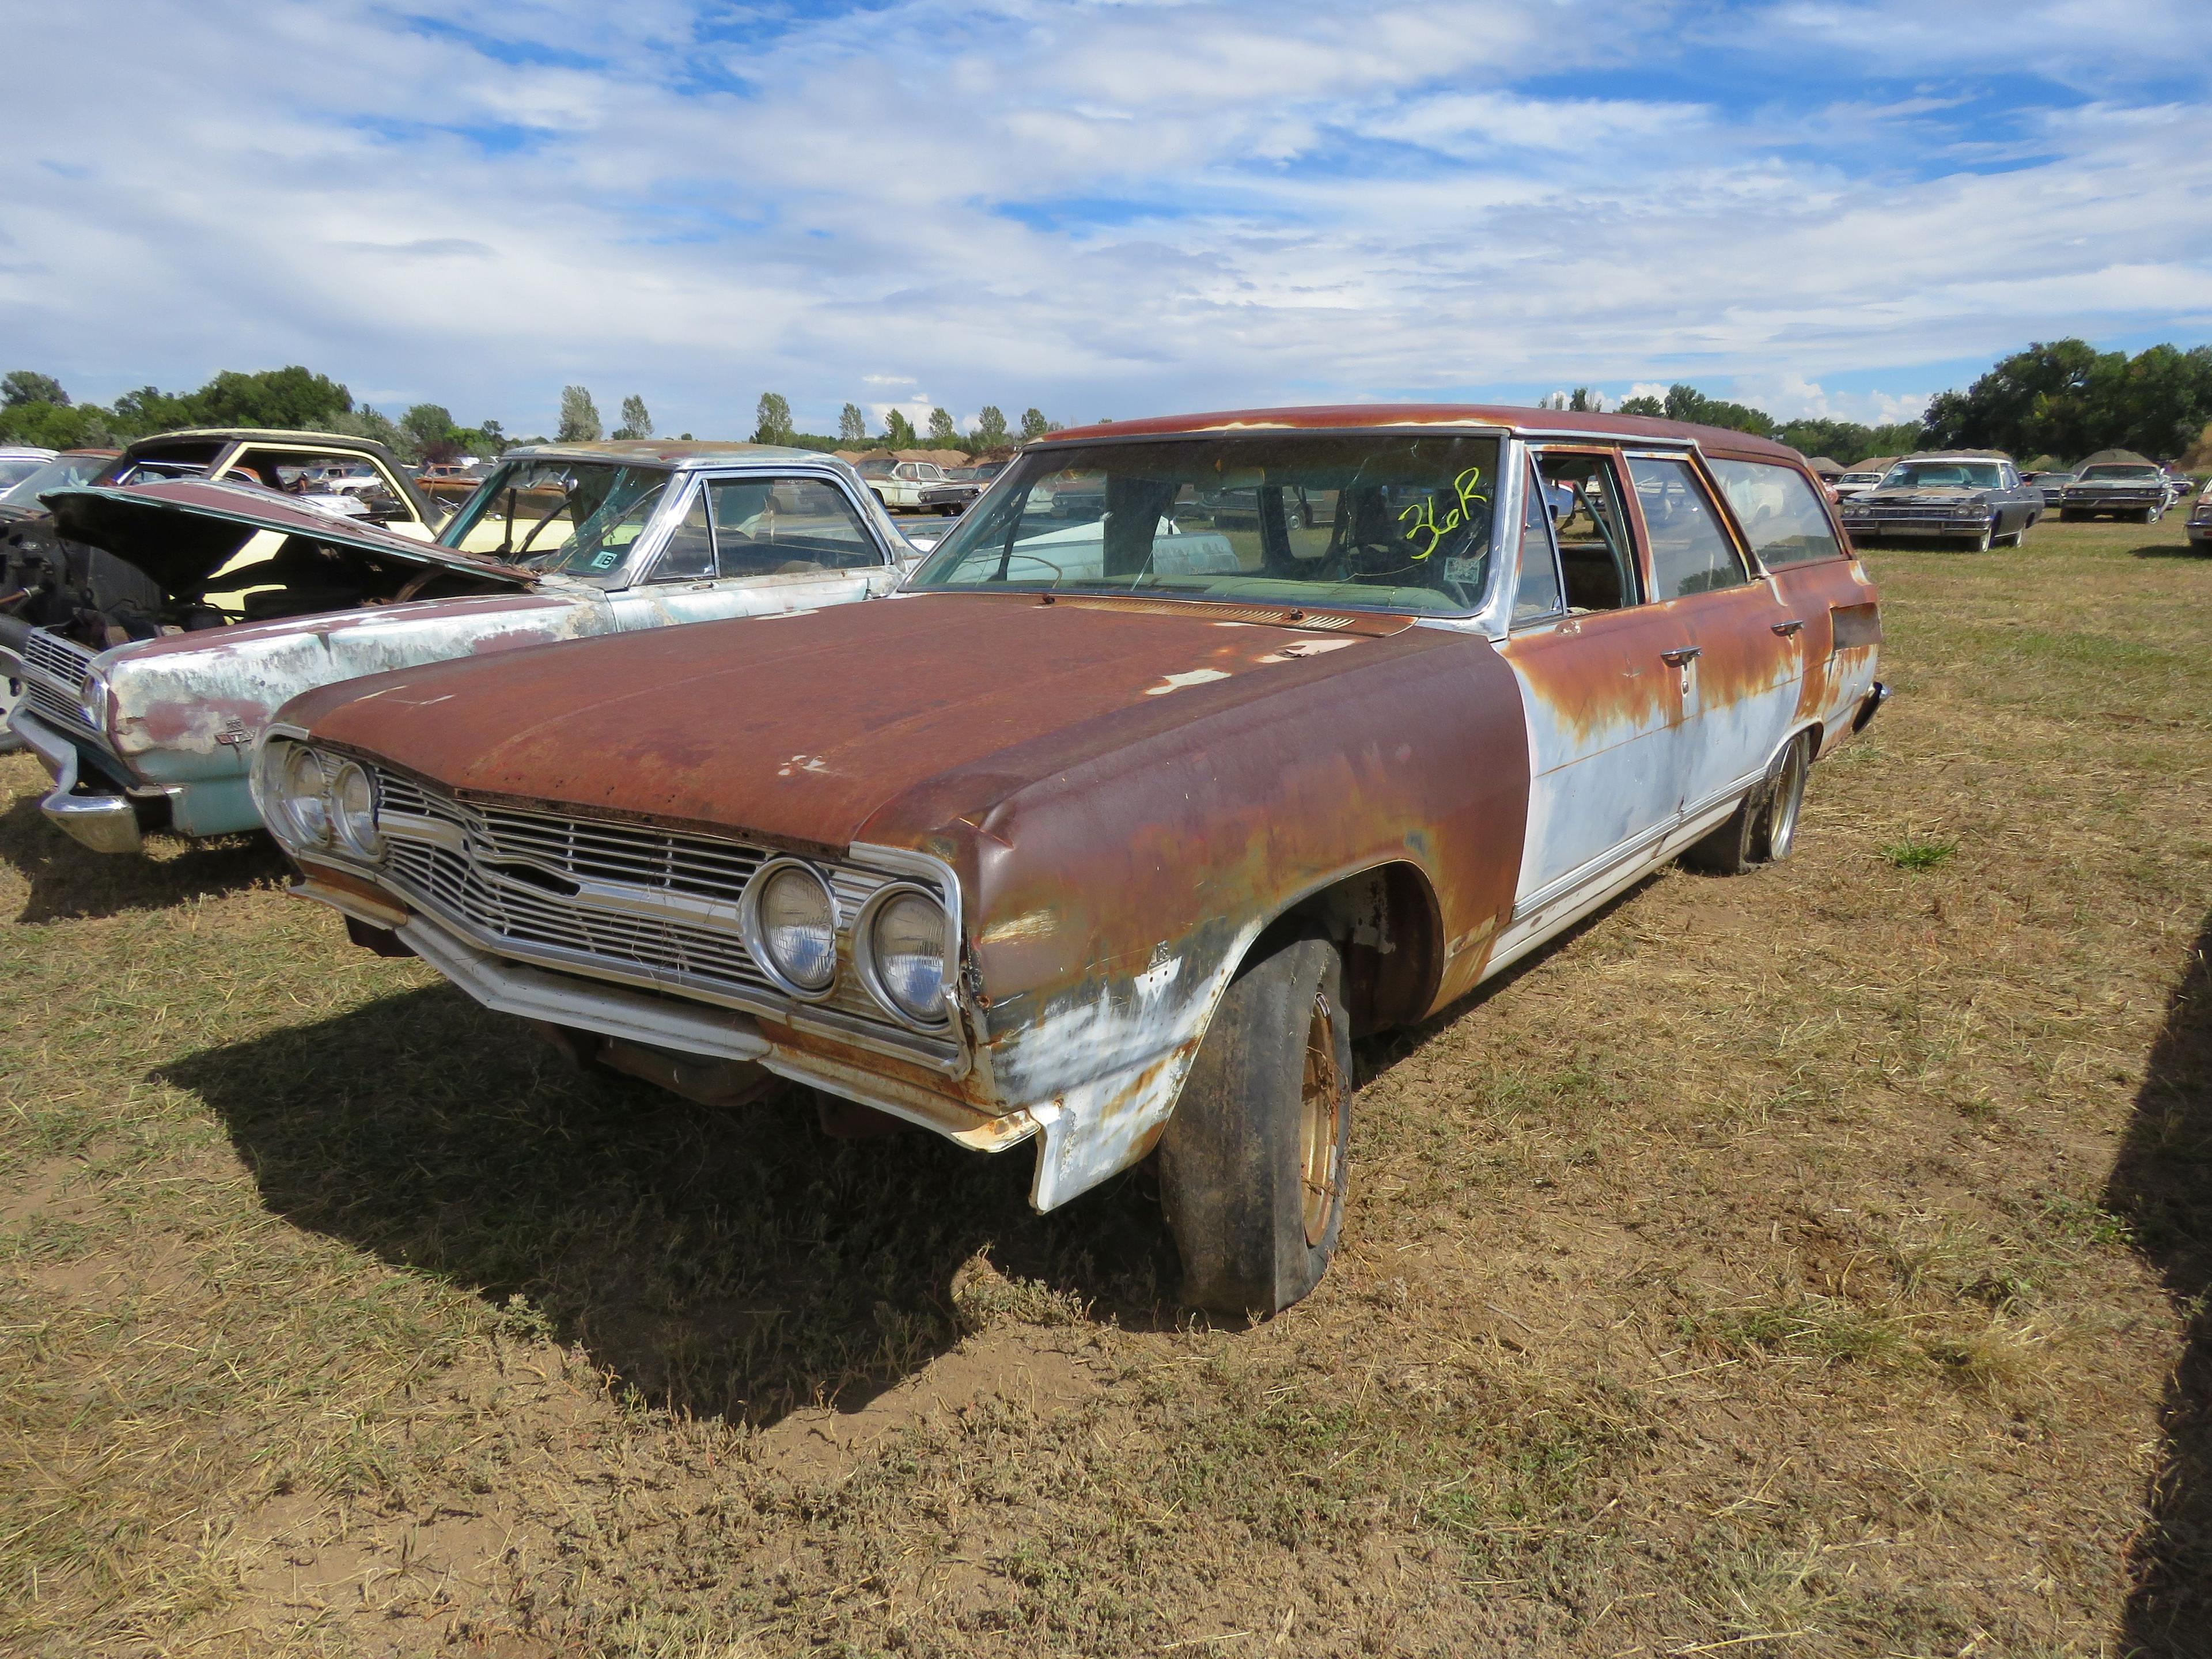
<point>1252,1164</point>
<point>1764,826</point>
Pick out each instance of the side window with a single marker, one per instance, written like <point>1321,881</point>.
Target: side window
<point>788,526</point>
<point>1691,553</point>
<point>1537,595</point>
<point>1782,518</point>
<point>690,554</point>
<point>1597,561</point>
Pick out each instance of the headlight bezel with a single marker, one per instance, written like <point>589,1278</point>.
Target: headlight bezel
<point>96,700</point>
<point>865,958</point>
<point>754,932</point>
<point>369,844</point>
<point>291,801</point>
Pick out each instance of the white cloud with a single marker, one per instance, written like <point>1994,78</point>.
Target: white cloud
<point>1092,208</point>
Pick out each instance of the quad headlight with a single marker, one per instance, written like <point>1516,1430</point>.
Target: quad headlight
<point>789,919</point>
<point>312,799</point>
<point>905,942</point>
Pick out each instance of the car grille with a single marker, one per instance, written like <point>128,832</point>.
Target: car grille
<point>54,671</point>
<point>629,901</point>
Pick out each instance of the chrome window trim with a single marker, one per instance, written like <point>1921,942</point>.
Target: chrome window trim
<point>705,476</point>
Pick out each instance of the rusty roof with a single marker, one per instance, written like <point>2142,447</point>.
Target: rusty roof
<point>1340,417</point>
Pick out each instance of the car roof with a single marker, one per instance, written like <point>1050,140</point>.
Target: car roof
<point>1520,422</point>
<point>678,452</point>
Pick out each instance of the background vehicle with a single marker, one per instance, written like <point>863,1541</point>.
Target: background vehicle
<point>921,486</point>
<point>19,461</point>
<point>2050,484</point>
<point>1973,496</point>
<point>562,543</point>
<point>1195,794</point>
<point>2200,519</point>
<point>21,499</point>
<point>2125,487</point>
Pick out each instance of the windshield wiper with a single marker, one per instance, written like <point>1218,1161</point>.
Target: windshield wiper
<point>567,489</point>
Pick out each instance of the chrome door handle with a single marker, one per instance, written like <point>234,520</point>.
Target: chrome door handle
<point>1680,657</point>
<point>1786,628</point>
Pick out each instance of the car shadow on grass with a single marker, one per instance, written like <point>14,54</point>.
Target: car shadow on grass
<point>734,1262</point>
<point>71,883</point>
<point>2161,1184</point>
<point>2169,551</point>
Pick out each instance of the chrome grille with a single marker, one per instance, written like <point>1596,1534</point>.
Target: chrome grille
<point>653,905</point>
<point>51,706</point>
<point>51,654</point>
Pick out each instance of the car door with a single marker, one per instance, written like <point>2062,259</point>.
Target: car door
<point>754,544</point>
<point>1742,660</point>
<point>1601,690</point>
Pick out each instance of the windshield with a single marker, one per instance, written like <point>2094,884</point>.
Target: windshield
<point>1377,521</point>
<point>14,468</point>
<point>57,474</point>
<point>576,519</point>
<point>1942,474</point>
<point>2133,474</point>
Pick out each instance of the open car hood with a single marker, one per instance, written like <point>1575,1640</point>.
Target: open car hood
<point>180,531</point>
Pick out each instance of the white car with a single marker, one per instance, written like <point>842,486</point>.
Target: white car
<point>917,486</point>
<point>19,461</point>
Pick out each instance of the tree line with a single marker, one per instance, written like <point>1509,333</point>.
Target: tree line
<point>2050,404</point>
<point>773,424</point>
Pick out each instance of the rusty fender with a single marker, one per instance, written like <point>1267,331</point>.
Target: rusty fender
<point>1112,902</point>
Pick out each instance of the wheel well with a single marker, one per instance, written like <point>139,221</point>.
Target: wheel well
<point>1386,922</point>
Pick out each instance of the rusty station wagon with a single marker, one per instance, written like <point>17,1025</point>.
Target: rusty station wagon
<point>1308,723</point>
<point>259,595</point>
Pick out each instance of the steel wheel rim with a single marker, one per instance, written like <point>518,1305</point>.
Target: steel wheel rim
<point>1321,1111</point>
<point>1782,830</point>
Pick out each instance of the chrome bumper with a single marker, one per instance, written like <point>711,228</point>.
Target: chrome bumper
<point>1874,530</point>
<point>104,823</point>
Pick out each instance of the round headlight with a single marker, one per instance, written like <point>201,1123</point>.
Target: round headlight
<point>353,811</point>
<point>300,782</point>
<point>907,946</point>
<point>792,926</point>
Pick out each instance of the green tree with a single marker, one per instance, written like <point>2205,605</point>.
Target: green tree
<point>990,427</point>
<point>637,421</point>
<point>25,385</point>
<point>1583,400</point>
<point>1644,405</point>
<point>941,432</point>
<point>428,426</point>
<point>372,423</point>
<point>898,431</point>
<point>1034,425</point>
<point>852,425</point>
<point>579,418</point>
<point>772,424</point>
<point>292,396</point>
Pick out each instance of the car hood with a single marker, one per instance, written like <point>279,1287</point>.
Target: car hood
<point>180,531</point>
<point>2117,483</point>
<point>883,721</point>
<point>1947,496</point>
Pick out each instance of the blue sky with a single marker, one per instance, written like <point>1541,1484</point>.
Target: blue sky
<point>1115,208</point>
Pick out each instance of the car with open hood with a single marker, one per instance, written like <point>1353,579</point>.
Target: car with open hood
<point>1319,720</point>
<point>249,596</point>
<point>1972,497</point>
<point>2119,485</point>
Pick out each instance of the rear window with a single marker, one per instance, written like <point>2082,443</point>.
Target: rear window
<point>1782,516</point>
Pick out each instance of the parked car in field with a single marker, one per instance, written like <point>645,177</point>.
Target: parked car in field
<point>563,542</point>
<point>921,486</point>
<point>2200,518</point>
<point>2052,485</point>
<point>2120,490</point>
<point>19,461</point>
<point>1856,482</point>
<point>1973,496</point>
<point>1188,803</point>
<point>20,499</point>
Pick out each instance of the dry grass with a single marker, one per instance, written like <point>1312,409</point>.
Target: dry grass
<point>1809,1263</point>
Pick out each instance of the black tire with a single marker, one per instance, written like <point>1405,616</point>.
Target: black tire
<point>1252,1164</point>
<point>1749,838</point>
<point>2067,515</point>
<point>1982,543</point>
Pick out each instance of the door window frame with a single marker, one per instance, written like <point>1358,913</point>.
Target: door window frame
<point>701,484</point>
<point>1632,519</point>
<point>1716,498</point>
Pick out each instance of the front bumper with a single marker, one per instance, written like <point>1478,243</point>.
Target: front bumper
<point>107,822</point>
<point>1933,528</point>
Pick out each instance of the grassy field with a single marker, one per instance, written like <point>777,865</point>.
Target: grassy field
<point>1809,1263</point>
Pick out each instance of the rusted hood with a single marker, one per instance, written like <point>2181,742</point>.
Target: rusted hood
<point>180,532</point>
<point>874,721</point>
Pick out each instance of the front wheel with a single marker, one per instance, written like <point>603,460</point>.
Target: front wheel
<point>1982,543</point>
<point>1252,1165</point>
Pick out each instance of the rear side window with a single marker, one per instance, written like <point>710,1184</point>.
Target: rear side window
<point>1690,551</point>
<point>1781,516</point>
<point>786,527</point>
